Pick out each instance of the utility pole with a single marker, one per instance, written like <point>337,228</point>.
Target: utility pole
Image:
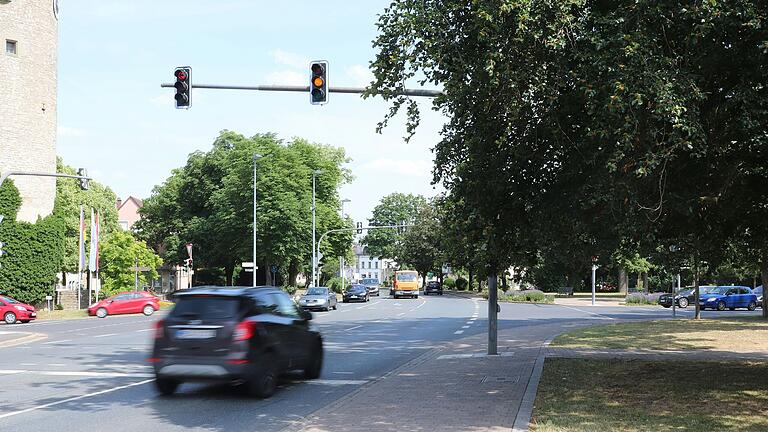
<point>342,273</point>
<point>256,158</point>
<point>493,319</point>
<point>136,272</point>
<point>315,246</point>
<point>594,267</point>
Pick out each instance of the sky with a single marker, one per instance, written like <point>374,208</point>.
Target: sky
<point>116,121</point>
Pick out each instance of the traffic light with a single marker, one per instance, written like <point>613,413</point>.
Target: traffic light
<point>318,82</point>
<point>83,181</point>
<point>2,251</point>
<point>359,227</point>
<point>183,87</point>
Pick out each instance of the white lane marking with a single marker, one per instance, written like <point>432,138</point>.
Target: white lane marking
<point>333,382</point>
<point>458,332</point>
<point>80,373</point>
<point>344,373</point>
<point>105,335</point>
<point>587,312</point>
<point>470,322</point>
<point>465,327</point>
<point>355,327</point>
<point>369,305</point>
<point>38,407</point>
<point>144,330</point>
<point>56,364</point>
<point>28,364</point>
<point>58,341</point>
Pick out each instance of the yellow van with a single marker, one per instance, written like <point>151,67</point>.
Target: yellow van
<point>406,284</point>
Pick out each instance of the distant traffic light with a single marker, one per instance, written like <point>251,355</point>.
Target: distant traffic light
<point>83,181</point>
<point>359,227</point>
<point>318,82</point>
<point>183,87</point>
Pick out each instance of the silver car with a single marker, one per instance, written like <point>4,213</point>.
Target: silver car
<point>318,298</point>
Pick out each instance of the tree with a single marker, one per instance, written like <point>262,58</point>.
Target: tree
<point>394,209</point>
<point>421,243</point>
<point>119,254</point>
<point>209,202</point>
<point>69,198</point>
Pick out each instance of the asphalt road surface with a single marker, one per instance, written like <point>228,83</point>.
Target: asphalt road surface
<point>91,374</point>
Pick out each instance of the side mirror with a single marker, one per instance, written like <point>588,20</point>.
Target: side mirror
<point>306,315</point>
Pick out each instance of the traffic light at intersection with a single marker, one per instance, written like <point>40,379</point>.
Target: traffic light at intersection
<point>183,87</point>
<point>83,181</point>
<point>318,82</point>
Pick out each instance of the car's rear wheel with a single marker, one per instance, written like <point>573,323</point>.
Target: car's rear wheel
<point>166,386</point>
<point>721,305</point>
<point>101,312</point>
<point>148,310</point>
<point>752,306</point>
<point>264,382</point>
<point>312,371</point>
<point>683,302</point>
<point>9,317</point>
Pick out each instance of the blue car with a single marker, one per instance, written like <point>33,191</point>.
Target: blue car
<point>730,297</point>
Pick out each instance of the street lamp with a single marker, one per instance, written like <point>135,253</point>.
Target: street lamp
<point>256,158</point>
<point>342,273</point>
<point>315,247</point>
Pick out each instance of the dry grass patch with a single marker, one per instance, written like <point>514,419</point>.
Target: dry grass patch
<point>749,334</point>
<point>577,395</point>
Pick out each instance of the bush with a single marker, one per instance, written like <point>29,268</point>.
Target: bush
<point>449,282</point>
<point>290,289</point>
<point>336,284</point>
<point>640,298</point>
<point>461,284</point>
<point>529,296</point>
<point>58,306</point>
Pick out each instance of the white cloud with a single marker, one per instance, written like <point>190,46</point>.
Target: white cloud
<point>286,58</point>
<point>360,75</point>
<point>287,77</point>
<point>405,167</point>
<point>71,132</point>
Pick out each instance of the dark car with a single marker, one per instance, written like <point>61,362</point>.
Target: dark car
<point>684,297</point>
<point>356,292</point>
<point>433,287</point>
<point>372,285</point>
<point>234,334</point>
<point>730,297</point>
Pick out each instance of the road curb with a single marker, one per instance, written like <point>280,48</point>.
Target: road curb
<point>27,338</point>
<point>525,411</point>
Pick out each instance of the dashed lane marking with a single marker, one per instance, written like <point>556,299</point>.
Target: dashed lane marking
<point>57,342</point>
<point>465,327</point>
<point>105,335</point>
<point>458,332</point>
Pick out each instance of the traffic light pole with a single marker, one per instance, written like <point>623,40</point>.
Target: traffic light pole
<point>38,174</point>
<point>305,89</point>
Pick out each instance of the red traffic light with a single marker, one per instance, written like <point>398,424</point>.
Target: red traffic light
<point>317,69</point>
<point>181,74</point>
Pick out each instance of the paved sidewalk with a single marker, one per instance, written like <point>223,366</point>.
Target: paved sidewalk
<point>454,388</point>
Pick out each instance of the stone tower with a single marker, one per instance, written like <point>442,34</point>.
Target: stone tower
<point>29,38</point>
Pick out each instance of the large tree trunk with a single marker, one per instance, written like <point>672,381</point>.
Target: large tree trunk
<point>504,286</point>
<point>646,288</point>
<point>293,273</point>
<point>623,281</point>
<point>471,274</point>
<point>764,279</point>
<point>697,313</point>
<point>228,270</point>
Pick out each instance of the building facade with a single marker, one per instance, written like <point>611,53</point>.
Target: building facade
<point>371,267</point>
<point>128,212</point>
<point>28,85</point>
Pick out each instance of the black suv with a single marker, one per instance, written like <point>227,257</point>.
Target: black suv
<point>234,334</point>
<point>433,287</point>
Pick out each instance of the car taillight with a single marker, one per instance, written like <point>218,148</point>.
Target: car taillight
<point>244,330</point>
<point>159,329</point>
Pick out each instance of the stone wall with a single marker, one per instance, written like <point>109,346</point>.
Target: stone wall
<point>28,101</point>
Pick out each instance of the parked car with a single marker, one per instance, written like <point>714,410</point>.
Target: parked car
<point>730,297</point>
<point>356,292</point>
<point>14,311</point>
<point>237,335</point>
<point>321,298</point>
<point>684,297</point>
<point>433,287</point>
<point>126,303</point>
<point>372,285</point>
<point>759,293</point>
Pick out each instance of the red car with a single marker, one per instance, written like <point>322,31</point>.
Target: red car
<point>126,303</point>
<point>14,310</point>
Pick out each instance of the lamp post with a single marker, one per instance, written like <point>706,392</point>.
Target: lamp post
<point>342,273</point>
<point>256,158</point>
<point>315,247</point>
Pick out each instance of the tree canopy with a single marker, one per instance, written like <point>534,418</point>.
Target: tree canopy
<point>393,209</point>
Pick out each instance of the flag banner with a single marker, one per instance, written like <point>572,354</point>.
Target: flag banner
<point>93,254</point>
<point>81,257</point>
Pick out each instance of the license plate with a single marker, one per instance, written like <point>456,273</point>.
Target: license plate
<point>195,334</point>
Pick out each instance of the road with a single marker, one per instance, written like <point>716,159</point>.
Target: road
<point>91,373</point>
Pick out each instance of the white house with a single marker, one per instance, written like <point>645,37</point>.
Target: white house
<point>371,267</point>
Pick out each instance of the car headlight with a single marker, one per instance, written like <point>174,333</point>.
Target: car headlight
<point>711,299</point>
<point>21,308</point>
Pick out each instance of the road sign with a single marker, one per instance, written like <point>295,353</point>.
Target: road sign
<point>274,268</point>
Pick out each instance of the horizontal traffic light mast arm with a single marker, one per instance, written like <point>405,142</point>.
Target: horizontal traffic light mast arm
<point>38,174</point>
<point>287,88</point>
<point>361,228</point>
